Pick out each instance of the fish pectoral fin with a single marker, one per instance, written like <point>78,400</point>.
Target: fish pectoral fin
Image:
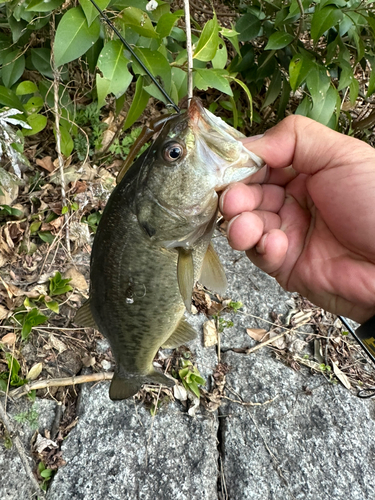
<point>182,334</point>
<point>212,274</point>
<point>84,317</point>
<point>156,377</point>
<point>185,275</point>
<point>122,388</point>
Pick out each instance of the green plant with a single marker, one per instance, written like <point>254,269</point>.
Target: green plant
<point>59,285</point>
<point>31,417</point>
<point>12,375</point>
<point>190,377</point>
<point>123,146</point>
<point>46,475</point>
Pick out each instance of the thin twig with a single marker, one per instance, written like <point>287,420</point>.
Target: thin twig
<point>21,451</point>
<point>56,80</point>
<point>267,342</point>
<point>189,50</point>
<point>59,382</point>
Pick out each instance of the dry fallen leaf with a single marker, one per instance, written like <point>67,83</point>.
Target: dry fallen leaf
<point>45,163</point>
<point>4,312</point>
<point>341,376</point>
<point>34,371</point>
<point>77,280</point>
<point>8,339</point>
<point>57,344</point>
<point>209,333</point>
<point>179,392</point>
<point>257,334</point>
<point>42,443</point>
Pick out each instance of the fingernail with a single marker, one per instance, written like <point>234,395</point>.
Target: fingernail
<point>261,246</point>
<point>230,223</point>
<point>222,198</point>
<point>252,138</point>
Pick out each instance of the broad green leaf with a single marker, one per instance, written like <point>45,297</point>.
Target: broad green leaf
<point>31,319</point>
<point>13,67</point>
<point>114,67</point>
<point>41,59</point>
<point>346,76</point>
<point>53,306</point>
<point>66,143</point>
<point>323,109</point>
<point>138,104</point>
<point>17,28</point>
<point>46,236</point>
<point>90,11</point>
<point>232,36</point>
<point>220,59</point>
<point>323,20</point>
<point>273,90</point>
<point>163,8</point>
<point>138,21</point>
<point>248,27</point>
<point>318,83</point>
<point>299,67</point>
<point>44,5</point>
<point>208,41</point>
<point>212,78</point>
<point>304,107</point>
<point>247,92</point>
<point>34,104</point>
<point>9,98</point>
<point>371,83</point>
<point>284,99</point>
<point>165,24</point>
<point>279,40</point>
<point>73,36</point>
<point>26,87</point>
<point>158,65</point>
<point>179,80</point>
<point>37,122</point>
<point>353,34</point>
<point>354,90</point>
<point>338,3</point>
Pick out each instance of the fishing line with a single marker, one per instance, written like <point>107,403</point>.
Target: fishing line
<point>139,61</point>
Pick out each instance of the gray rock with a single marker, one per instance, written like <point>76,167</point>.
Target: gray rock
<point>15,484</point>
<point>118,451</point>
<point>298,446</point>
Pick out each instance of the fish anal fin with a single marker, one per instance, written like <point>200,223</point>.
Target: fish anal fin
<point>212,274</point>
<point>122,388</point>
<point>182,334</point>
<point>84,316</point>
<point>185,275</point>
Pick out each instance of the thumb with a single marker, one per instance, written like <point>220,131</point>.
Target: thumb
<point>307,145</point>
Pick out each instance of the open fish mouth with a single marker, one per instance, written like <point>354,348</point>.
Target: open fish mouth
<point>219,146</point>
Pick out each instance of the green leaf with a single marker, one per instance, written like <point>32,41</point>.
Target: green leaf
<point>31,319</point>
<point>232,36</point>
<point>13,365</point>
<point>248,27</point>
<point>247,92</point>
<point>34,226</point>
<point>138,104</point>
<point>284,99</point>
<point>274,89</point>
<point>324,108</point>
<point>73,36</point>
<point>138,21</point>
<point>34,104</point>
<point>37,123</point>
<point>114,68</point>
<point>46,236</point>
<point>179,82</point>
<point>66,143</point>
<point>304,107</point>
<point>208,41</point>
<point>346,76</point>
<point>323,20</point>
<point>299,68</point>
<point>44,5</point>
<point>165,24</point>
<point>41,60</point>
<point>26,87</point>
<point>318,83</point>
<point>13,67</point>
<point>9,98</point>
<point>53,306</point>
<point>220,59</point>
<point>158,65</point>
<point>279,40</point>
<point>354,90</point>
<point>90,11</point>
<point>46,473</point>
<point>59,285</point>
<point>371,83</point>
<point>212,78</point>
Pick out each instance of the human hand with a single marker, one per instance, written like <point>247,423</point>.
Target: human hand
<point>310,220</point>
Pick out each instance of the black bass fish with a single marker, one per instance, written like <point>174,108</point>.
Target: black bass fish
<point>153,243</point>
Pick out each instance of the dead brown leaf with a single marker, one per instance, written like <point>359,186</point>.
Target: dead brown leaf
<point>45,163</point>
<point>9,339</point>
<point>257,334</point>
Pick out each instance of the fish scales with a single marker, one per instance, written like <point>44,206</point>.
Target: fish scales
<point>153,242</point>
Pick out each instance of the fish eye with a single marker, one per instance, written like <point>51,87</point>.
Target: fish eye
<point>173,151</point>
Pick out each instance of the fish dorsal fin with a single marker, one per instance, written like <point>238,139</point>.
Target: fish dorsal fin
<point>185,275</point>
<point>212,274</point>
<point>84,317</point>
<point>122,388</point>
<point>182,334</point>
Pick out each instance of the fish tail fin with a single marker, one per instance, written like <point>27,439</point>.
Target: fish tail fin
<point>155,377</point>
<point>123,388</point>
